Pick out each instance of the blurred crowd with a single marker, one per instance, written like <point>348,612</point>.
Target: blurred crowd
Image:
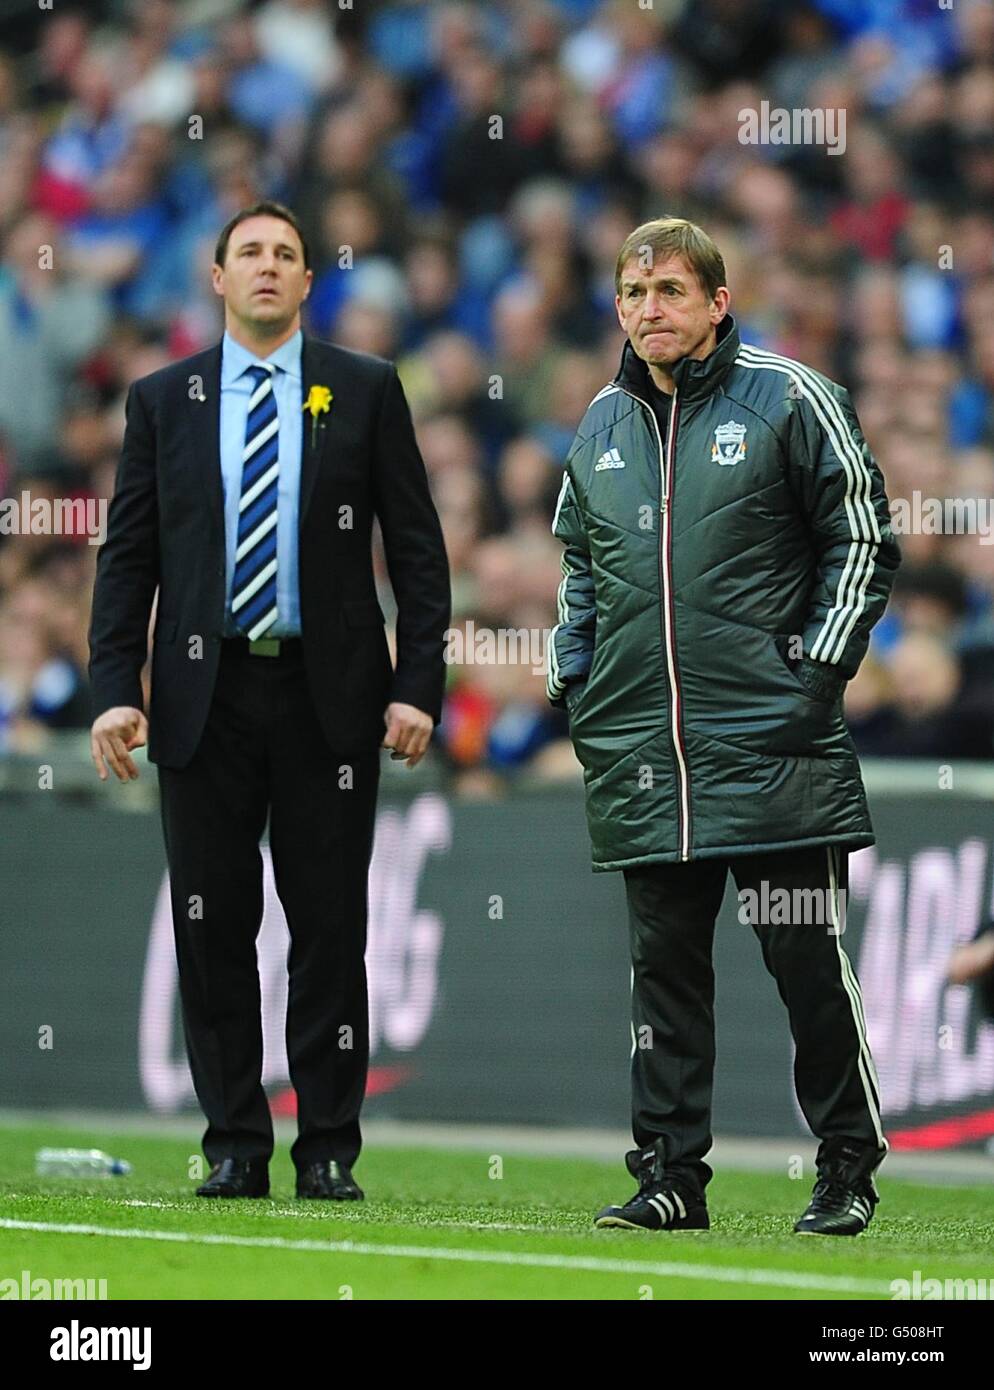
<point>479,254</point>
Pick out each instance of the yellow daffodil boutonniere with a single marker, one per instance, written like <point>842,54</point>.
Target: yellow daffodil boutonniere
<point>318,403</point>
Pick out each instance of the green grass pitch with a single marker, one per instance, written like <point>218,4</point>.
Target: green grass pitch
<point>439,1224</point>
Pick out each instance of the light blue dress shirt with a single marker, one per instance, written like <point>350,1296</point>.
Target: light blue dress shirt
<point>236,390</point>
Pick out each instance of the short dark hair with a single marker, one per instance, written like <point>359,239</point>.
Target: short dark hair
<point>266,208</point>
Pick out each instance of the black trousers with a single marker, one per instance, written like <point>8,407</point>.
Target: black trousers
<point>671,912</point>
<point>263,752</point>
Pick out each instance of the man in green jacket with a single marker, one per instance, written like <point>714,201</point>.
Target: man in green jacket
<point>728,549</point>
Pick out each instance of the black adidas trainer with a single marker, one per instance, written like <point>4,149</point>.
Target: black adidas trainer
<point>662,1203</point>
<point>844,1194</point>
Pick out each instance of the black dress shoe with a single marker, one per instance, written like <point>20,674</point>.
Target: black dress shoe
<point>237,1177</point>
<point>330,1179</point>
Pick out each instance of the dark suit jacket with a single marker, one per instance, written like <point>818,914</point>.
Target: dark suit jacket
<point>166,529</point>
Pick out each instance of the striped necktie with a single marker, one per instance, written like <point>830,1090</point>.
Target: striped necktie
<point>253,589</point>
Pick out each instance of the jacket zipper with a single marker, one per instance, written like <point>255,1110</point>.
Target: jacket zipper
<point>666,462</point>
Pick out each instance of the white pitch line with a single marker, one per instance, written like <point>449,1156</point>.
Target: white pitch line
<point>298,1214</point>
<point>721,1274</point>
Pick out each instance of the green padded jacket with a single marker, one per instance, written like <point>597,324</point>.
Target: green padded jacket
<point>727,551</point>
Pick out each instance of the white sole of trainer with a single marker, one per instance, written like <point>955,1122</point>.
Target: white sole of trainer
<point>603,1223</point>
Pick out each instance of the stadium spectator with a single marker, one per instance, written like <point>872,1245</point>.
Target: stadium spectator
<point>973,963</point>
<point>50,320</point>
<point>931,713</point>
<point>40,687</point>
<point>480,254</point>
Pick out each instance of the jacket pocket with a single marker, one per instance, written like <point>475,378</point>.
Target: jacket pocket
<point>574,696</point>
<point>810,726</point>
<point>781,643</point>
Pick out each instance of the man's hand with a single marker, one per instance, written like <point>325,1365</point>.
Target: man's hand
<point>408,731</point>
<point>114,735</point>
<point>972,959</point>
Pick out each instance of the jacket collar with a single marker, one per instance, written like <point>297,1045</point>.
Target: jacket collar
<point>235,359</point>
<point>694,379</point>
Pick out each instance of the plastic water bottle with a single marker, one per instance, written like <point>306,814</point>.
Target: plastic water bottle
<point>79,1163</point>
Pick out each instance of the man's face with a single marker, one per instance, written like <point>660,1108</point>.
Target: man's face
<point>666,313</point>
<point>263,280</point>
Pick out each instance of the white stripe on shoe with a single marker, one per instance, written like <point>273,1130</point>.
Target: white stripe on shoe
<point>667,1215</point>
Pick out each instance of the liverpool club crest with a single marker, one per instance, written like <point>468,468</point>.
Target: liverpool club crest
<point>729,443</point>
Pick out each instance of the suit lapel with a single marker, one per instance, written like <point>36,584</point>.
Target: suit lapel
<point>207,435</point>
<point>314,373</point>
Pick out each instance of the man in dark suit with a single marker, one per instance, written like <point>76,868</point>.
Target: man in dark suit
<point>248,482</point>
